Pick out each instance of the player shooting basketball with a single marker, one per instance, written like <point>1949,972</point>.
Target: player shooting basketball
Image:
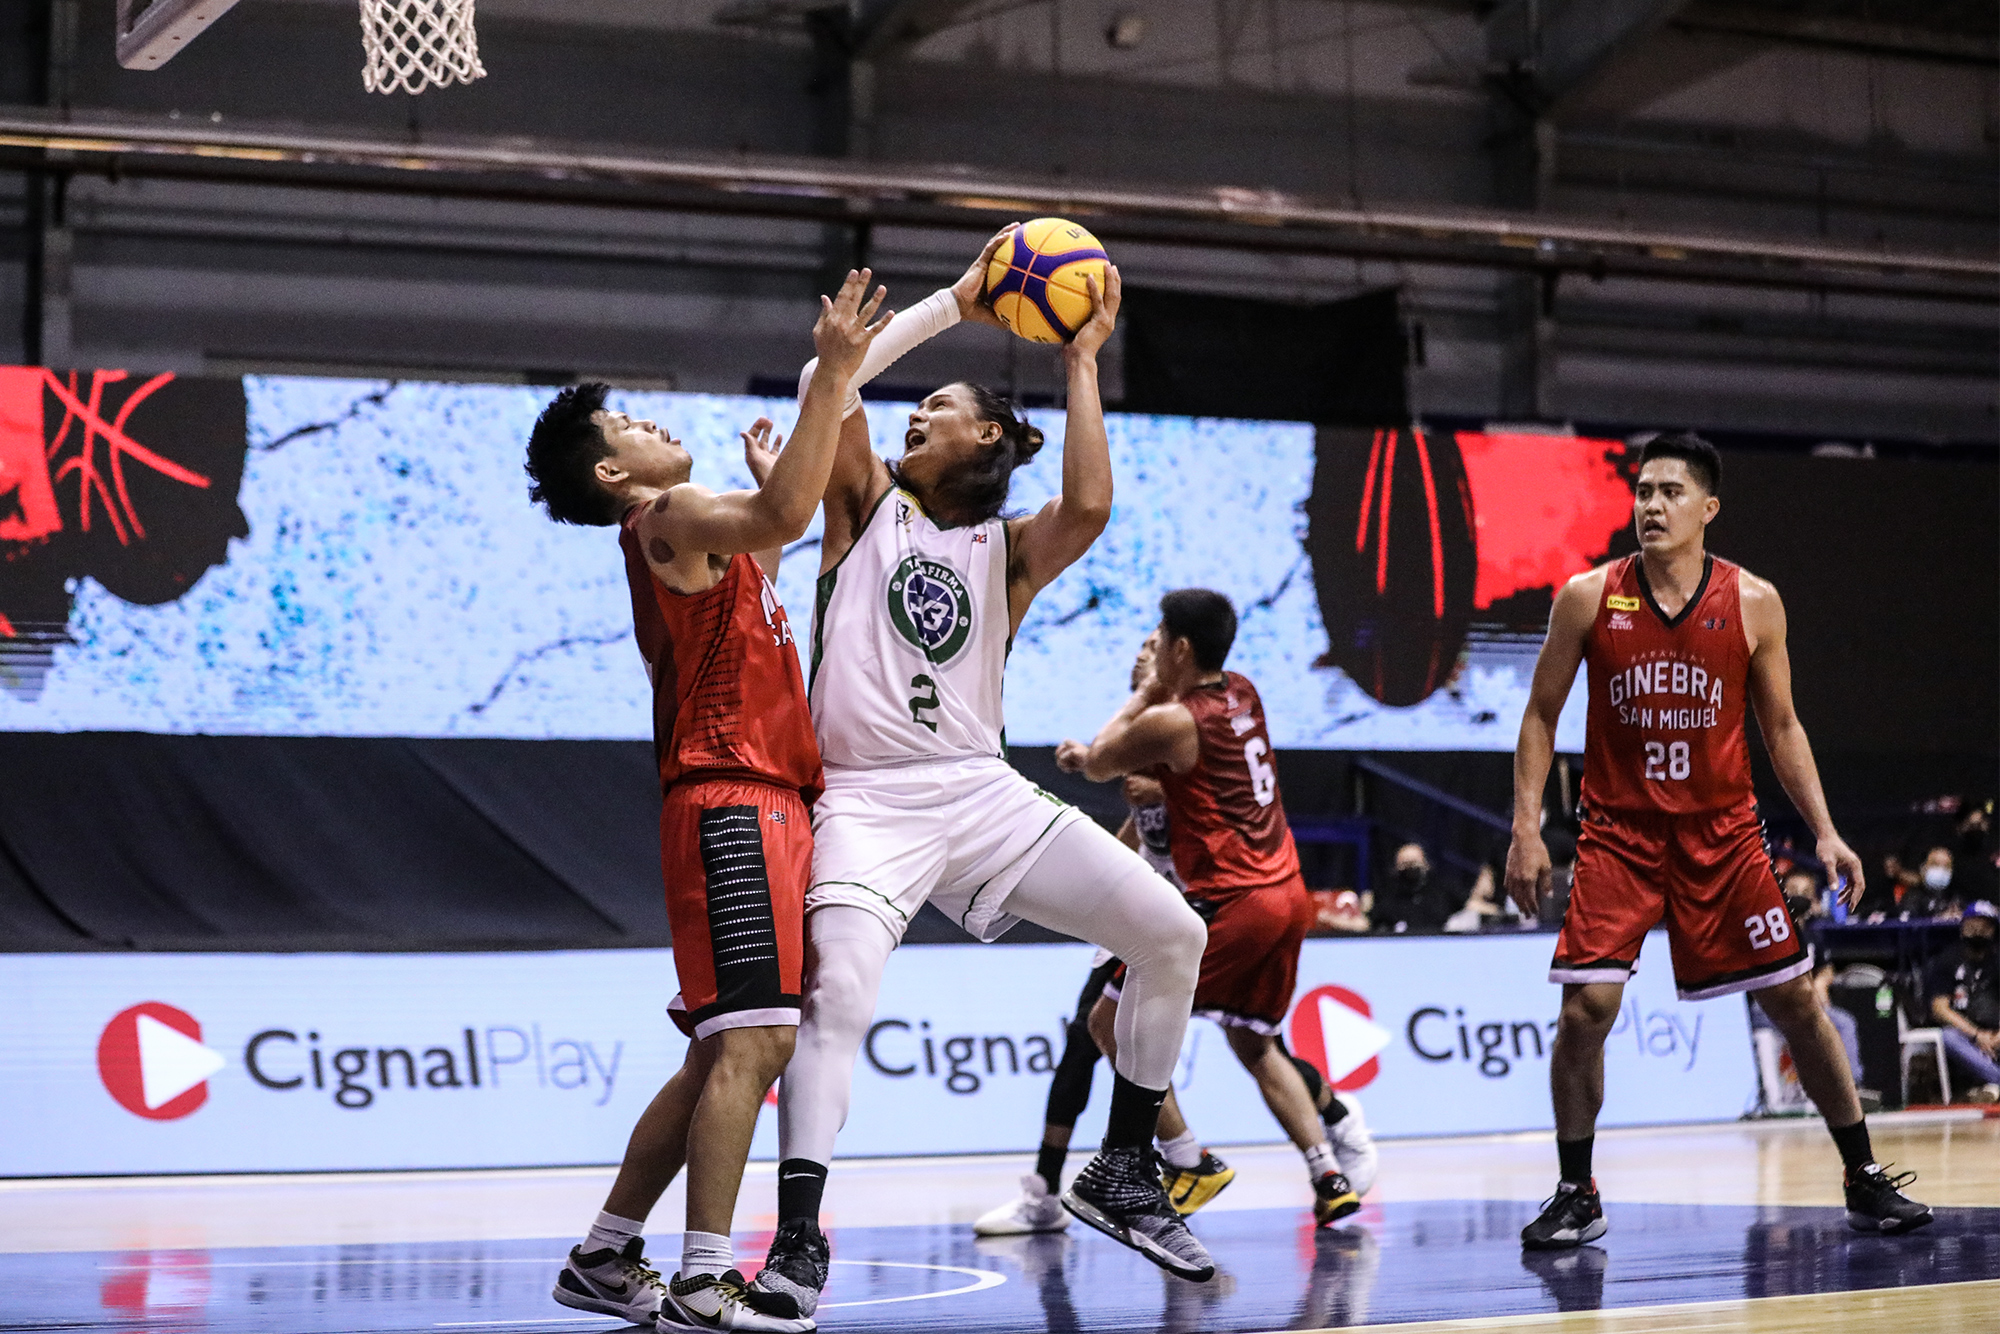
<point>1678,642</point>
<point>923,584</point>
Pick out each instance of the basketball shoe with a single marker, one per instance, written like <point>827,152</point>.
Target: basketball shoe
<point>1188,1188</point>
<point>1333,1199</point>
<point>1876,1203</point>
<point>1570,1217</point>
<point>1119,1194</point>
<point>724,1301</point>
<point>1033,1210</point>
<point>608,1282</point>
<point>796,1265</point>
<point>1353,1146</point>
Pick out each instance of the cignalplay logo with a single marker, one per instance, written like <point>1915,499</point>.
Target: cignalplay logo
<point>152,1061</point>
<point>1334,1028</point>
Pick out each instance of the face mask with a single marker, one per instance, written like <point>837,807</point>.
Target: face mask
<point>1978,944</point>
<point>1410,875</point>
<point>1937,877</point>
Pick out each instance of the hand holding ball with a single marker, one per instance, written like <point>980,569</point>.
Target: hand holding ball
<point>1035,280</point>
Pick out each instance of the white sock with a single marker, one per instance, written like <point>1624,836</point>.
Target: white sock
<point>1319,1160</point>
<point>1184,1150</point>
<point>706,1253</point>
<point>611,1232</point>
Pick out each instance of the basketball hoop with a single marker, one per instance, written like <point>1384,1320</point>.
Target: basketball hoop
<point>412,45</point>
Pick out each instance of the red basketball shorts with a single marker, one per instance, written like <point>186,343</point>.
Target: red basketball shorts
<point>1251,964</point>
<point>1706,874</point>
<point>737,857</point>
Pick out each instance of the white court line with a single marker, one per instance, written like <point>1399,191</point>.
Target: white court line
<point>981,1280</point>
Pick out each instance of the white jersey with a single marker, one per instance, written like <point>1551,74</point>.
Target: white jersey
<point>909,643</point>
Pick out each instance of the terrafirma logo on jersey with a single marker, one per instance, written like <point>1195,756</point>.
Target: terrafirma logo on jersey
<point>155,1063</point>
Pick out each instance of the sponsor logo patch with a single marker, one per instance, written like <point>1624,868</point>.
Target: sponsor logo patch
<point>1620,621</point>
<point>1618,602</point>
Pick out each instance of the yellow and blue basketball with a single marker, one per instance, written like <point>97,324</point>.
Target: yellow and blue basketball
<point>1035,279</point>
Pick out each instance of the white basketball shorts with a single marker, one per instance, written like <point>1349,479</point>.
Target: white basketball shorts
<point>959,833</point>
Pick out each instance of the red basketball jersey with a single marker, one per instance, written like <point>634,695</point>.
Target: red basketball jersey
<point>1225,820</point>
<point>728,697</point>
<point>1665,727</point>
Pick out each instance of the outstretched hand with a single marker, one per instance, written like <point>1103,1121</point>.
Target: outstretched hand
<point>843,332</point>
<point>1103,312</point>
<point>970,289</point>
<point>1071,756</point>
<point>761,444</point>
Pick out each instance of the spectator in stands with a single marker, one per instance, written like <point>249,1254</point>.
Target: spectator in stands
<point>1903,893</point>
<point>1964,986</point>
<point>1939,873</point>
<point>1804,900</point>
<point>1414,901</point>
<point>1975,874</point>
<point>1486,908</point>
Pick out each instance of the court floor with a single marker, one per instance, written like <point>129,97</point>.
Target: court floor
<point>1734,1227</point>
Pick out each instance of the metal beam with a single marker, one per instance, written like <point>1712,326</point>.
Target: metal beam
<point>855,193</point>
<point>885,27</point>
<point>163,29</point>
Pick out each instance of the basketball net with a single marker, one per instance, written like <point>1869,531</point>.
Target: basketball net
<point>412,45</point>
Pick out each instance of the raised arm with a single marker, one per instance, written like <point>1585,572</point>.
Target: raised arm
<point>859,475</point>
<point>1050,541</point>
<point>1785,735</point>
<point>689,523</point>
<point>1555,672</point>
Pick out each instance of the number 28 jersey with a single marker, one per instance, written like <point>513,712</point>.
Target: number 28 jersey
<point>1665,726</point>
<point>1225,820</point>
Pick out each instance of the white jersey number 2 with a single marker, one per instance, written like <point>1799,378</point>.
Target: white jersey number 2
<point>1263,776</point>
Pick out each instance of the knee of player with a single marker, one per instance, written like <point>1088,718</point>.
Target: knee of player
<point>762,1050</point>
<point>1789,1004</point>
<point>1183,938</point>
<point>1591,1011</point>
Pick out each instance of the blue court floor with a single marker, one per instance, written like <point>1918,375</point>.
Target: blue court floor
<point>1396,1262</point>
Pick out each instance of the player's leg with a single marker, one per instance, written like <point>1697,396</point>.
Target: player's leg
<point>1730,931</point>
<point>1615,900</point>
<point>740,947</point>
<point>1036,1208</point>
<point>847,950</point>
<point>1346,1125</point>
<point>1087,884</point>
<point>608,1273</point>
<point>1193,1175</point>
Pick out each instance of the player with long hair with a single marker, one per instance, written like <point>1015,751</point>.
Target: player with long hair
<point>924,582</point>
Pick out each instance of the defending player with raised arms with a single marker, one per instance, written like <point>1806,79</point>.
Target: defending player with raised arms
<point>1200,731</point>
<point>1678,643</point>
<point>923,583</point>
<point>738,768</point>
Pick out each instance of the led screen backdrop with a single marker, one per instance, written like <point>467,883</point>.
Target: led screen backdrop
<point>301,556</point>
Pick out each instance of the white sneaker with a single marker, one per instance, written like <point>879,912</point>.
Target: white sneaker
<point>1034,1210</point>
<point>1353,1146</point>
<point>608,1282</point>
<point>725,1301</point>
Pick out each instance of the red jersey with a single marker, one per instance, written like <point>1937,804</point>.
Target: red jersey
<point>1665,727</point>
<point>728,697</point>
<point>1225,822</point>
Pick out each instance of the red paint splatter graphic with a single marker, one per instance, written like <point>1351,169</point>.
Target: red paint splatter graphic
<point>129,480</point>
<point>1544,508</point>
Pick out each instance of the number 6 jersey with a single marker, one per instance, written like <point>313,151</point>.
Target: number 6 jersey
<point>1225,820</point>
<point>1665,726</point>
<point>909,641</point>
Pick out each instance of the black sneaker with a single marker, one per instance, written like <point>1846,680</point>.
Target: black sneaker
<point>1570,1217</point>
<point>1876,1203</point>
<point>1119,1194</point>
<point>1189,1188</point>
<point>608,1282</point>
<point>794,1270</point>
<point>1333,1199</point>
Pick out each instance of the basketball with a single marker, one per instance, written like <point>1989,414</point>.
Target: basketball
<point>1035,279</point>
